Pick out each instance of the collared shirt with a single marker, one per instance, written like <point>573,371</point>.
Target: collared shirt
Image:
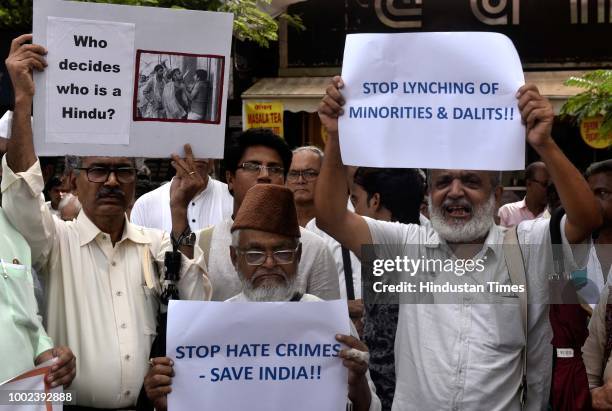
<point>207,208</point>
<point>513,213</point>
<point>468,356</point>
<point>336,250</point>
<point>100,300</point>
<point>316,271</point>
<point>23,337</point>
<point>598,374</point>
<point>375,404</point>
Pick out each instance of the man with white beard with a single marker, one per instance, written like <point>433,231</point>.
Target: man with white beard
<point>266,252</point>
<point>468,356</point>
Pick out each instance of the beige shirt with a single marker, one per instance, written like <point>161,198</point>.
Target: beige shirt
<point>98,300</point>
<point>595,344</point>
<point>467,356</point>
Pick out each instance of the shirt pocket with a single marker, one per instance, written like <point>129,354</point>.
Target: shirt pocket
<point>20,288</point>
<point>150,308</point>
<point>505,329</point>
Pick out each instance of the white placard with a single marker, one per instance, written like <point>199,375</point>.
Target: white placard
<point>257,356</point>
<point>186,104</point>
<point>28,392</point>
<point>89,81</point>
<point>432,100</point>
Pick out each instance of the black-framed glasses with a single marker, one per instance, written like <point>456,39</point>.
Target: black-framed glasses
<point>256,168</point>
<point>99,174</point>
<point>259,257</point>
<point>309,174</point>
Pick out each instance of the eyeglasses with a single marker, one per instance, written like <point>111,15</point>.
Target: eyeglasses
<point>308,174</point>
<point>260,257</point>
<point>256,168</point>
<point>99,174</point>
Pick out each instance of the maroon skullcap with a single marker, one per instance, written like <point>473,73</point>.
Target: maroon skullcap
<point>269,208</point>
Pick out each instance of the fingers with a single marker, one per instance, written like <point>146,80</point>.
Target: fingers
<point>32,59</point>
<point>159,378</point>
<point>189,157</point>
<point>181,167</point>
<point>162,361</point>
<point>64,369</point>
<point>351,342</point>
<point>337,81</point>
<point>535,116</point>
<point>17,42</point>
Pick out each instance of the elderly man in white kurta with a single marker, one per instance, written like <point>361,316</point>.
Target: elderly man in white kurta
<point>102,283</point>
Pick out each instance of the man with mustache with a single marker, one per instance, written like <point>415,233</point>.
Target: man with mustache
<point>266,251</point>
<point>102,285</point>
<point>467,356</point>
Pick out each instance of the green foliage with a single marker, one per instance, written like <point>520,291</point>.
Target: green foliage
<point>250,23</point>
<point>15,14</point>
<point>595,100</point>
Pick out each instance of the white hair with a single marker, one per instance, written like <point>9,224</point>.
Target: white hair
<point>456,231</point>
<point>67,199</point>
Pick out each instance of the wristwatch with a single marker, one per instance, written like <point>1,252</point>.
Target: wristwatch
<point>187,238</point>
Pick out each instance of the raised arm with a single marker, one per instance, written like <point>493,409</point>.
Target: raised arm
<point>22,60</point>
<point>583,212</point>
<point>22,182</point>
<point>348,228</point>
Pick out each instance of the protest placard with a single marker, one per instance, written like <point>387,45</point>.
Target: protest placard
<point>432,100</point>
<point>259,356</point>
<point>29,392</point>
<point>127,81</point>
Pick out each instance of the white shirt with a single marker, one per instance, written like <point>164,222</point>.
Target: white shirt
<point>591,289</point>
<point>316,271</point>
<point>375,404</point>
<point>468,356</point>
<point>207,208</point>
<point>98,301</point>
<point>54,212</point>
<point>336,250</point>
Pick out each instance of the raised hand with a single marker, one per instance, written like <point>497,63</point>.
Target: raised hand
<point>187,182</point>
<point>537,114</point>
<point>23,58</point>
<point>330,106</point>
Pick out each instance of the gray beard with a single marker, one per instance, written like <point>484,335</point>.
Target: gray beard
<point>458,232</point>
<point>269,293</point>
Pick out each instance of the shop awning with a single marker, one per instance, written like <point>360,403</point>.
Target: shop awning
<point>305,93</point>
<point>296,93</point>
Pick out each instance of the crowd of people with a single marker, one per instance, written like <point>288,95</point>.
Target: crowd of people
<point>292,226</point>
<point>165,95</point>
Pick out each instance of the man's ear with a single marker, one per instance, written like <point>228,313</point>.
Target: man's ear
<point>229,178</point>
<point>375,201</point>
<point>73,181</point>
<point>233,256</point>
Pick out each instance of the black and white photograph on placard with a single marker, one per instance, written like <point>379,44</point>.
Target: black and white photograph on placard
<point>178,87</point>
